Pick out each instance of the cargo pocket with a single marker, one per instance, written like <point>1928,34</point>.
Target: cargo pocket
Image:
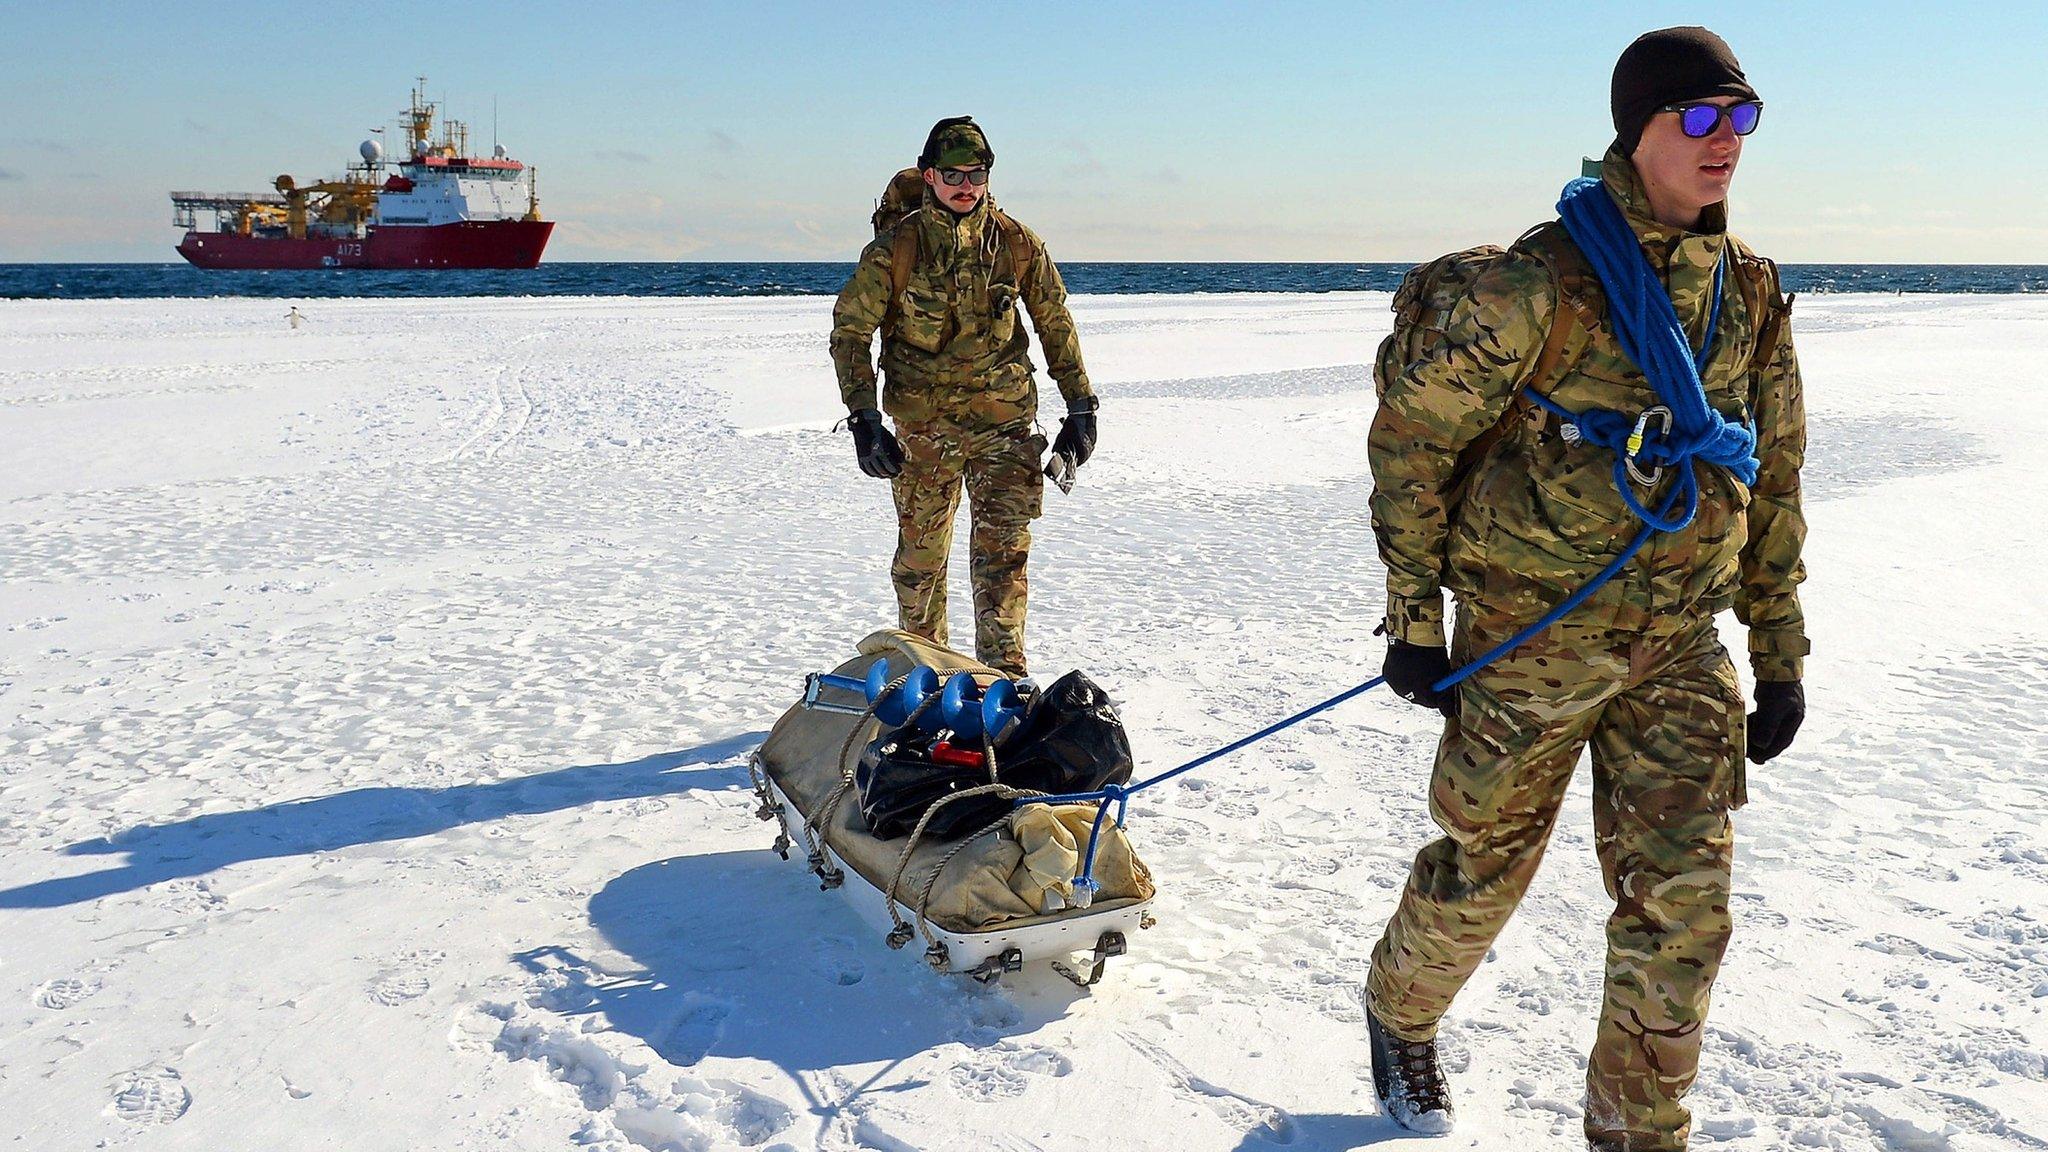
<point>922,323</point>
<point>1033,476</point>
<point>1482,763</point>
<point>908,398</point>
<point>1719,533</point>
<point>1005,396</point>
<point>1729,784</point>
<point>1530,566</point>
<point>1493,724</point>
<point>1583,511</point>
<point>1004,483</point>
<point>1733,791</point>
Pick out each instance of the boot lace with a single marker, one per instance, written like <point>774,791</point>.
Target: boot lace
<point>1422,1078</point>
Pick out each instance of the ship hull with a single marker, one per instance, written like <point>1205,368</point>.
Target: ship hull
<point>468,244</point>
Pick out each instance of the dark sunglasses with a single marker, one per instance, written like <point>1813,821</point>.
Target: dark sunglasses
<point>954,176</point>
<point>1701,120</point>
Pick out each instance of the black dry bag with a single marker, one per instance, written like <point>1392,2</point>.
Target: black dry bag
<point>1069,741</point>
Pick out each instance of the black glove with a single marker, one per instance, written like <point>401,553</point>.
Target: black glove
<point>1076,442</point>
<point>1780,708</point>
<point>1411,669</point>
<point>880,455</point>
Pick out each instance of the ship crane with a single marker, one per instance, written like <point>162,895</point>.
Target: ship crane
<point>343,206</point>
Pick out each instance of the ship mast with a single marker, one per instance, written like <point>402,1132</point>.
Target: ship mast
<point>419,120</point>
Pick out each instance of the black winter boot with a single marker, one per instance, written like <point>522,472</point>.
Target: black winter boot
<point>1409,1081</point>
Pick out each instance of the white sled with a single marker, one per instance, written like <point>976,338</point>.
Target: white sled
<point>1096,933</point>
<point>957,897</point>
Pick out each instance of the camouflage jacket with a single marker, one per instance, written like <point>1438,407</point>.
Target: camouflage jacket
<point>957,351</point>
<point>1540,515</point>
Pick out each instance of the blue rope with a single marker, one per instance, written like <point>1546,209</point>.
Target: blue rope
<point>1647,326</point>
<point>1643,320</point>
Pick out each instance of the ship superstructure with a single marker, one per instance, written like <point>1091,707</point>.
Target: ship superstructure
<point>439,207</point>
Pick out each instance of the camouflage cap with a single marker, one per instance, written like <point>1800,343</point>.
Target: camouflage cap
<point>956,142</point>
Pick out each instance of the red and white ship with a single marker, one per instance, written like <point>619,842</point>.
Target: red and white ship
<point>441,208</point>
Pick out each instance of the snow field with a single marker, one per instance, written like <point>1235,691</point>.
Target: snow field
<point>374,699</point>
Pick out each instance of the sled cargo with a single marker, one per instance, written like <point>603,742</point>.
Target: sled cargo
<point>969,897</point>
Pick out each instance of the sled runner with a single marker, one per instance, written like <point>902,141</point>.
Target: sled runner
<point>896,737</point>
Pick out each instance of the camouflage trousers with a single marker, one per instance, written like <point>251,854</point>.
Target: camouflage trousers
<point>1663,713</point>
<point>1005,491</point>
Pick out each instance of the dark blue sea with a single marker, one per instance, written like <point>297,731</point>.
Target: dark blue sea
<point>128,281</point>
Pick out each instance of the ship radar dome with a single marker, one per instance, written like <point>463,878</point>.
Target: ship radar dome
<point>498,150</point>
<point>372,151</point>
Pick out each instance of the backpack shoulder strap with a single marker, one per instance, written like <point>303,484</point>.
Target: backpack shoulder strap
<point>1552,362</point>
<point>1571,309</point>
<point>902,260</point>
<point>1575,285</point>
<point>1551,359</point>
<point>1022,259</point>
<point>1764,293</point>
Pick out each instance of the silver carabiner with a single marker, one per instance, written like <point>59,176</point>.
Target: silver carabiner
<point>1636,439</point>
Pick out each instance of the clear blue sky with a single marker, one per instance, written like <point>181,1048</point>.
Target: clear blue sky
<point>1189,131</point>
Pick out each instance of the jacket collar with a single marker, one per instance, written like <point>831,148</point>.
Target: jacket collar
<point>960,230</point>
<point>1671,250</point>
<point>1625,184</point>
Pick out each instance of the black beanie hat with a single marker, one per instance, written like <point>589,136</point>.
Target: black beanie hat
<point>1670,66</point>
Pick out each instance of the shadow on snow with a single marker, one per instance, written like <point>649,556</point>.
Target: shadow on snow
<point>739,955</point>
<point>159,852</point>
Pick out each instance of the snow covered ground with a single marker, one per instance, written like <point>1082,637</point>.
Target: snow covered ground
<point>374,698</point>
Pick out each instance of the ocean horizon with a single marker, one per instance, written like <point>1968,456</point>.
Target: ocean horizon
<point>110,281</point>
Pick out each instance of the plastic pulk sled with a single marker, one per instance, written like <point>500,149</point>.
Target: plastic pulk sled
<point>906,776</point>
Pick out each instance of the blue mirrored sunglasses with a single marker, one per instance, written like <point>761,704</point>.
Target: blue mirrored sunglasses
<point>1701,120</point>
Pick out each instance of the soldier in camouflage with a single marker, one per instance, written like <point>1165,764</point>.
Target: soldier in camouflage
<point>1636,673</point>
<point>959,385</point>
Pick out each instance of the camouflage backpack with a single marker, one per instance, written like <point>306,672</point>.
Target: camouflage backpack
<point>1422,313</point>
<point>1428,293</point>
<point>904,195</point>
<point>895,217</point>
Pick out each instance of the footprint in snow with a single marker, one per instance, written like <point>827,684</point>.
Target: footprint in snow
<point>1752,912</point>
<point>753,1119</point>
<point>1005,1070</point>
<point>393,988</point>
<point>1259,1121</point>
<point>64,992</point>
<point>189,897</point>
<point>406,978</point>
<point>839,963</point>
<point>150,1096</point>
<point>988,1009</point>
<point>694,1033</point>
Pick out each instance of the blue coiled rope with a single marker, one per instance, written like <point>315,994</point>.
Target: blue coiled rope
<point>1640,313</point>
<point>1651,335</point>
